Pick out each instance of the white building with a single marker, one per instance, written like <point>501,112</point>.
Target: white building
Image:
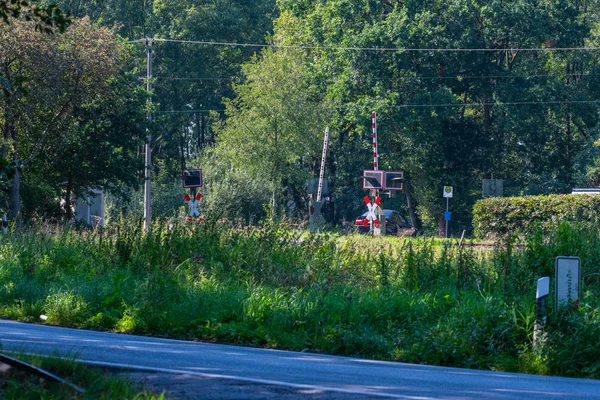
<point>90,209</point>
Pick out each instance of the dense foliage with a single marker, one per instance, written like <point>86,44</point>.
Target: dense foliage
<point>447,115</point>
<point>464,90</point>
<point>68,117</point>
<point>413,300</point>
<point>503,216</point>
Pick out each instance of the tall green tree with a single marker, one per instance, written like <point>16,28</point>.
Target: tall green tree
<point>276,124</point>
<point>190,79</point>
<point>48,78</point>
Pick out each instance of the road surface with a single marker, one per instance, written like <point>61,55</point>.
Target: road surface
<point>251,373</point>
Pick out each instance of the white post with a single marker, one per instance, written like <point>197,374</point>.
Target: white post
<point>447,209</point>
<point>541,299</point>
<point>323,164</point>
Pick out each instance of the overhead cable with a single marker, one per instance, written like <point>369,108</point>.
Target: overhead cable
<point>371,49</point>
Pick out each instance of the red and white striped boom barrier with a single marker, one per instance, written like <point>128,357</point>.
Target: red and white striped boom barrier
<point>375,151</point>
<point>323,164</point>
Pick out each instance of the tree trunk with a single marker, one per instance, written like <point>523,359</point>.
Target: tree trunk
<point>68,206</point>
<point>68,202</point>
<point>15,198</point>
<point>274,205</point>
<point>411,207</point>
<point>15,187</point>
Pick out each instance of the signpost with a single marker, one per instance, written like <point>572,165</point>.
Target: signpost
<point>372,180</point>
<point>393,180</point>
<point>192,179</point>
<point>375,180</point>
<point>193,203</point>
<point>372,218</point>
<point>492,188</point>
<point>380,226</point>
<point>568,278</point>
<point>448,192</point>
<point>312,186</point>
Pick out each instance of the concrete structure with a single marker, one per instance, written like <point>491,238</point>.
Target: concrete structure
<point>90,209</point>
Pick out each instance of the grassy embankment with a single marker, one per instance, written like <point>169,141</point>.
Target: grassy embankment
<point>410,300</point>
<point>98,384</point>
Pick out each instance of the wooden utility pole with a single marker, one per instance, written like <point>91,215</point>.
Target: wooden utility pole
<point>148,146</point>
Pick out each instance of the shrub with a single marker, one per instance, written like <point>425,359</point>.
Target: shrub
<point>503,216</point>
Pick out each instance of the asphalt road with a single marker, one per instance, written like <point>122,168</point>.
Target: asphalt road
<point>283,372</point>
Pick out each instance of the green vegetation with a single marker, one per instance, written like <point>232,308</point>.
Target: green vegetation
<point>410,300</point>
<point>97,383</point>
<point>502,216</point>
<point>463,90</point>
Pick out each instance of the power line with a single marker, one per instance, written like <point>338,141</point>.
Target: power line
<point>187,111</point>
<point>508,103</point>
<point>160,78</point>
<point>482,104</point>
<point>372,49</point>
<point>458,76</point>
<point>428,77</point>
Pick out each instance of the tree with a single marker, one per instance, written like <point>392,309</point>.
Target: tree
<point>275,125</point>
<point>98,148</point>
<point>46,18</point>
<point>47,78</point>
<point>456,142</point>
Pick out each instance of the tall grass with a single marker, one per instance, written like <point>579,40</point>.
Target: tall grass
<point>413,300</point>
<point>98,384</point>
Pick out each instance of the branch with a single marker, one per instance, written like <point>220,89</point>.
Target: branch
<point>48,130</point>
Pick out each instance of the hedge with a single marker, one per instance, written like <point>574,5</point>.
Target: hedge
<point>501,216</point>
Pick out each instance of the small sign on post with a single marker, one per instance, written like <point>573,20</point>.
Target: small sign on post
<point>393,180</point>
<point>192,178</point>
<point>568,278</point>
<point>312,187</point>
<point>492,188</point>
<point>448,192</point>
<point>372,180</point>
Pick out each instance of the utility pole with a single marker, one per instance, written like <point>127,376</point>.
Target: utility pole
<point>148,146</point>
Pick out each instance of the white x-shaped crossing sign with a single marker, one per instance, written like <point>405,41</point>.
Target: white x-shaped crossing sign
<point>193,203</point>
<point>372,214</point>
